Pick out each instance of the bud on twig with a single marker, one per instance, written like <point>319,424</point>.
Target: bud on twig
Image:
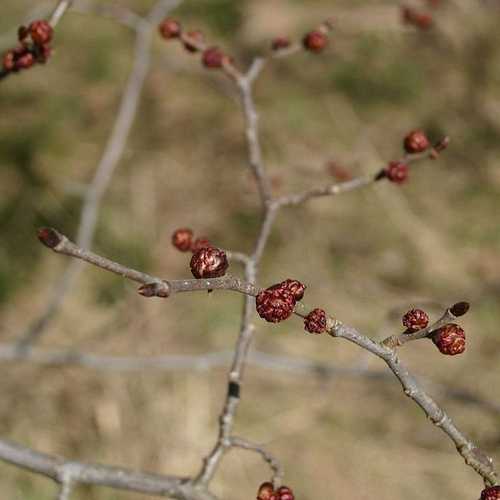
<point>49,237</point>
<point>182,239</point>
<point>315,321</point>
<point>491,493</point>
<point>315,41</point>
<point>415,320</point>
<point>459,309</point>
<point>416,142</point>
<point>450,339</point>
<point>209,262</point>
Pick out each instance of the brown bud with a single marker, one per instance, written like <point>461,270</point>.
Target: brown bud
<point>22,33</point>
<point>154,290</point>
<point>450,339</point>
<point>459,309</point>
<point>169,28</point>
<point>49,237</point>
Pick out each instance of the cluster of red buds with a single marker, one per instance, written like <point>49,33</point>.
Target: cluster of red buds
<point>207,261</point>
<point>276,303</point>
<point>313,41</point>
<point>413,17</point>
<point>267,492</point>
<point>182,239</point>
<point>414,143</point>
<point>491,493</point>
<point>34,47</point>
<point>212,57</point>
<point>449,339</point>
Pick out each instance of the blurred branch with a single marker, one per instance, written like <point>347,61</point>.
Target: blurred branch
<point>211,360</point>
<point>112,155</point>
<point>59,12</point>
<point>66,488</point>
<point>115,12</point>
<point>60,469</point>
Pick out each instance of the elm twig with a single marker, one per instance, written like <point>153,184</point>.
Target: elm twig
<point>472,455</point>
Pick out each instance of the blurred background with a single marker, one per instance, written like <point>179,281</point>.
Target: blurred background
<point>367,256</point>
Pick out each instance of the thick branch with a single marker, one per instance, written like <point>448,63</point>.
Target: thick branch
<point>59,469</point>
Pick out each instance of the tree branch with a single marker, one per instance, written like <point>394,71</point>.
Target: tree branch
<point>57,469</point>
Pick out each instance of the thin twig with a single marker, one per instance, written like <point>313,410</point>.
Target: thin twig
<point>273,462</point>
<point>245,86</point>
<point>472,455</point>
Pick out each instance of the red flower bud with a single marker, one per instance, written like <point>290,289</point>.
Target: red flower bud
<point>41,32</point>
<point>315,41</point>
<point>212,58</point>
<point>182,238</point>
<point>315,321</point>
<point>169,28</point>
<point>415,320</point>
<point>266,491</point>
<point>450,339</point>
<point>416,142</point>
<point>397,172</point>
<point>491,493</point>
<point>209,262</point>
<point>25,61</point>
<point>285,493</point>
<point>8,61</point>
<point>275,304</point>
<point>295,287</point>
